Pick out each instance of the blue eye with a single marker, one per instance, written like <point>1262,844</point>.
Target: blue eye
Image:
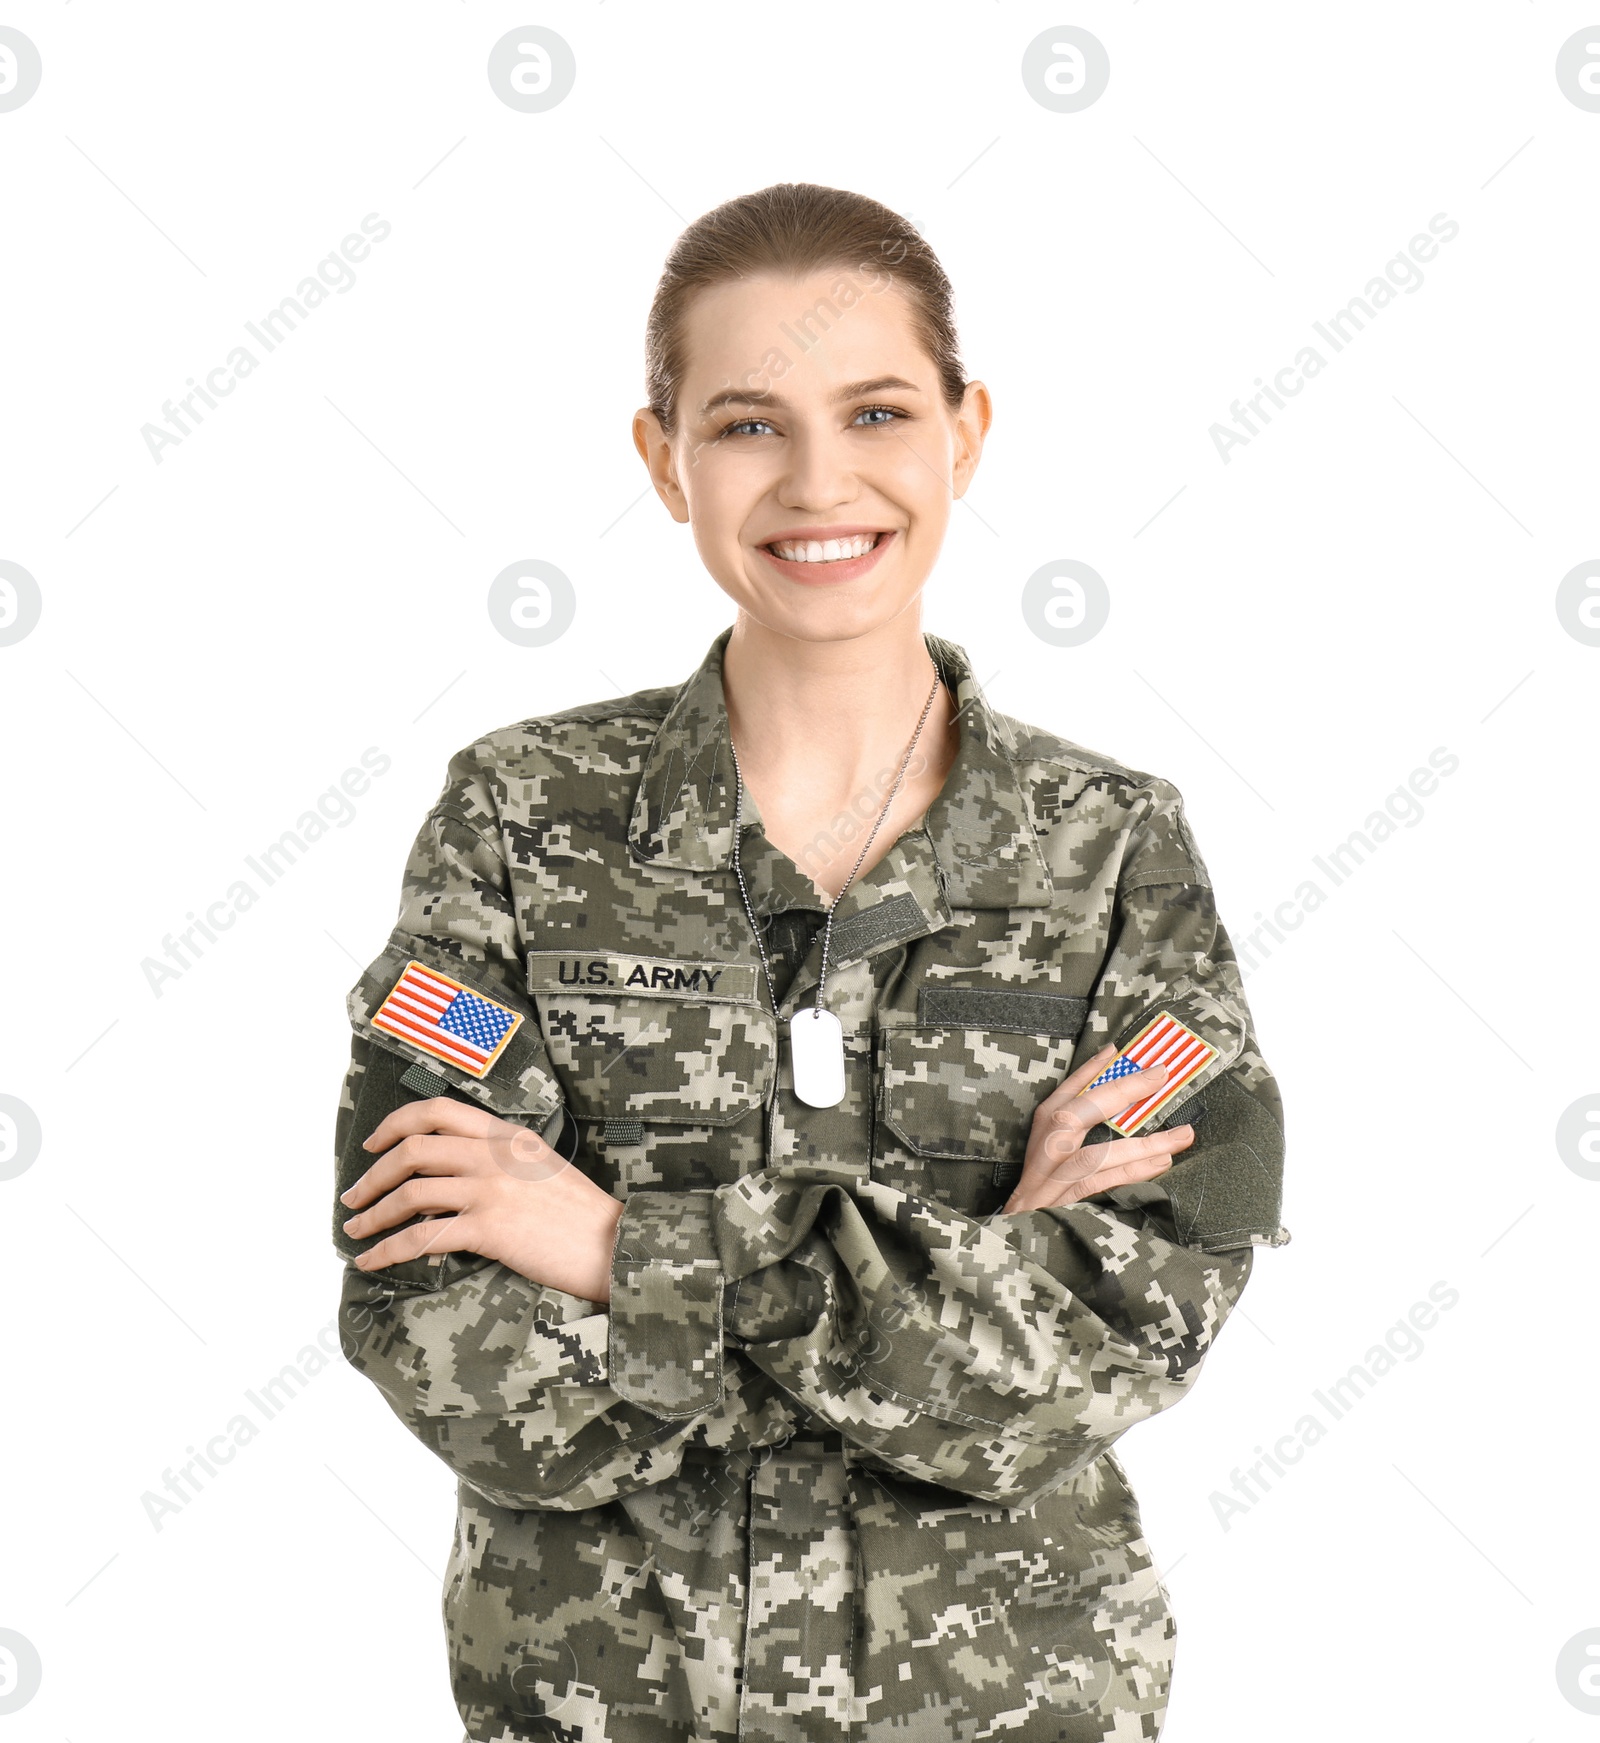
<point>879,414</point>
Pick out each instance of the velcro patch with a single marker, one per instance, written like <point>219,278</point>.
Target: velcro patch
<point>439,1015</point>
<point>423,1081</point>
<point>1162,1041</point>
<point>1019,1009</point>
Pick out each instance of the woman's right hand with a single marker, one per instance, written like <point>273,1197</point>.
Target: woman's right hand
<point>483,1185</point>
<point>1060,1170</point>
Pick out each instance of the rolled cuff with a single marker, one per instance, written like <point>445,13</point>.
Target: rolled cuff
<point>666,1340</point>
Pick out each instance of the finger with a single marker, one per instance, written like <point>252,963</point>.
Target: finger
<point>1069,1126</point>
<point>1074,1084</point>
<point>1124,1174</point>
<point>1047,1185</point>
<point>1091,1158</point>
<point>1079,1080</point>
<point>1119,1094</point>
<point>1071,1191</point>
<point>446,1193</point>
<point>425,1153</point>
<point>435,1113</point>
<point>1087,1107</point>
<point>446,1234</point>
<point>1064,1125</point>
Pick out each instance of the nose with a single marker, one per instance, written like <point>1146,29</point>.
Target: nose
<point>820,475</point>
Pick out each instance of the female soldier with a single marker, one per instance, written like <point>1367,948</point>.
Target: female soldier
<point>762,1125</point>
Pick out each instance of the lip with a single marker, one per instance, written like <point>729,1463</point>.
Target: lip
<point>827,574</point>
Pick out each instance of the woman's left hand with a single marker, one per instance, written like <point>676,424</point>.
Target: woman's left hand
<point>493,1188</point>
<point>1060,1169</point>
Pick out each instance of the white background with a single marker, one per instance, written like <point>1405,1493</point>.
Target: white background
<point>1291,633</point>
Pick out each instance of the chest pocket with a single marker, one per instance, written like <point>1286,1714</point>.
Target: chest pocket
<point>957,1090</point>
<point>654,1040</point>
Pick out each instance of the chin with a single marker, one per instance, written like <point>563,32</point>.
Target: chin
<point>830,620</point>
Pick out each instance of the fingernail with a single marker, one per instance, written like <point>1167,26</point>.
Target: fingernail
<point>350,1224</point>
<point>366,1143</point>
<point>347,1196</point>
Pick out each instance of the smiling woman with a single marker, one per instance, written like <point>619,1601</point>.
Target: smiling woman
<point>782,1388</point>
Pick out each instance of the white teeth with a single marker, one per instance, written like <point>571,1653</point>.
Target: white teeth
<point>824,550</point>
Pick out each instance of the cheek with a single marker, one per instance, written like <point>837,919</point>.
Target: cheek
<point>923,444</point>
<point>917,477</point>
<point>722,487</point>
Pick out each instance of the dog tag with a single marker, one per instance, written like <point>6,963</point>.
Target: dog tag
<point>816,1047</point>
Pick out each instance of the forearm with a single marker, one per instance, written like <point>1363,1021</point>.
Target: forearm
<point>997,1359</point>
<point>506,1383</point>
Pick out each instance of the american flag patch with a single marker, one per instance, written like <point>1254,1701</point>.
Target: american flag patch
<point>440,1016</point>
<point>1162,1041</point>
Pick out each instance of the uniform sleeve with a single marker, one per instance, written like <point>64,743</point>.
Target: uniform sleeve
<point>504,1379</point>
<point>994,1358</point>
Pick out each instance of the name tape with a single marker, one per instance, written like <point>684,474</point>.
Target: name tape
<point>601,974</point>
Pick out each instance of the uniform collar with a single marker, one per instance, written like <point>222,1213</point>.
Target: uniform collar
<point>979,826</point>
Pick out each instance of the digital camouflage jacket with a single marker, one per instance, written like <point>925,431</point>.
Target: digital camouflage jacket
<point>836,1463</point>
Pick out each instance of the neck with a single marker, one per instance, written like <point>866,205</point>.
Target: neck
<point>833,717</point>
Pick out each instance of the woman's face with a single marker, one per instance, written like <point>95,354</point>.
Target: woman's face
<point>815,457</point>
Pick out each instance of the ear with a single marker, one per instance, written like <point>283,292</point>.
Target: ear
<point>972,425</point>
<point>655,449</point>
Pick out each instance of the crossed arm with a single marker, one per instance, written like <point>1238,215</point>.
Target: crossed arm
<point>591,1342</point>
<point>491,1187</point>
<point>925,1337</point>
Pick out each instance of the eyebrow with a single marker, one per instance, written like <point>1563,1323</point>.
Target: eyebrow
<point>854,390</point>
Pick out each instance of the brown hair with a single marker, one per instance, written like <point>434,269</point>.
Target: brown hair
<point>796,227</point>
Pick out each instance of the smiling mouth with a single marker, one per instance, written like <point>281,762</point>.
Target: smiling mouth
<point>824,550</point>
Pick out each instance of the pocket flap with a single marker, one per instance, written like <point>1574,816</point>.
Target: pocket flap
<point>968,1093</point>
<point>683,1060</point>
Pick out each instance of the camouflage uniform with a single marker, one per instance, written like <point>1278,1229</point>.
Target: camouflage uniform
<point>836,1463</point>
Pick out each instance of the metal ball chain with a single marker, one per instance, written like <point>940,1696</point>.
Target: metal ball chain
<point>738,804</point>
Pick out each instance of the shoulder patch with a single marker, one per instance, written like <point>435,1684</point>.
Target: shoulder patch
<point>440,1016</point>
<point>1162,1041</point>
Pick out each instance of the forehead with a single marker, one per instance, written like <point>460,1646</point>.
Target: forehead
<point>809,332</point>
